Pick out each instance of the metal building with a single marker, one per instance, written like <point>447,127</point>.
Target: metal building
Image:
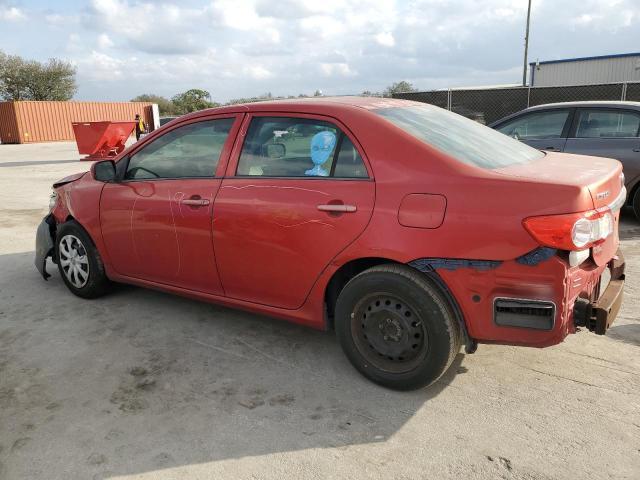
<point>623,67</point>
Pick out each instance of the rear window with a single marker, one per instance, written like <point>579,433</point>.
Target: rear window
<point>459,137</point>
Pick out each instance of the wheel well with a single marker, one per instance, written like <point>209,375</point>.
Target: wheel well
<point>342,276</point>
<point>632,193</point>
<point>350,269</point>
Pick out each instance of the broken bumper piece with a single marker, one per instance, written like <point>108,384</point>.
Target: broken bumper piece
<point>44,244</point>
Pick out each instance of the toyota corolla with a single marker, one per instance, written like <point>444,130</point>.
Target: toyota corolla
<point>409,230</point>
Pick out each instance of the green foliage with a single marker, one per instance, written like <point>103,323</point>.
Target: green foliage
<point>165,106</point>
<point>259,98</point>
<point>22,79</point>
<point>192,100</point>
<point>399,87</point>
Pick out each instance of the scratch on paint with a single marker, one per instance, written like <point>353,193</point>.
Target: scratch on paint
<point>175,231</point>
<point>133,238</point>
<point>304,223</point>
<point>276,186</point>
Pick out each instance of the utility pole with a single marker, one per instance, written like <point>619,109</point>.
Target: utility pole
<point>526,47</point>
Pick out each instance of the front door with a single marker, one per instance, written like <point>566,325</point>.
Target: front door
<point>156,222</point>
<point>301,193</point>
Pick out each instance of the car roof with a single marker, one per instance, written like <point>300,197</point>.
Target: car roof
<point>309,104</point>
<point>588,103</point>
<point>584,104</point>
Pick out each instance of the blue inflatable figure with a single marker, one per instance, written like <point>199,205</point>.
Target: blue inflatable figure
<point>322,145</point>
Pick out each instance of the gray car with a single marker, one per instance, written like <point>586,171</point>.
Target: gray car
<point>602,129</point>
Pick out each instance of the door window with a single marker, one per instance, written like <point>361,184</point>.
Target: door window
<point>298,147</point>
<point>607,124</point>
<point>192,150</point>
<point>535,125</point>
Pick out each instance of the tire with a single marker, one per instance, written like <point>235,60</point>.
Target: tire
<point>75,250</point>
<point>396,327</point>
<point>636,203</point>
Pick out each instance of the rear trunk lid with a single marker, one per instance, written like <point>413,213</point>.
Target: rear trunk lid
<point>600,177</point>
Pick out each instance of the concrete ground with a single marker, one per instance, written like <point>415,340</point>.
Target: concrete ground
<point>141,384</point>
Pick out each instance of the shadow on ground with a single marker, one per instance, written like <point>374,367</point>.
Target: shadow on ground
<point>629,333</point>
<point>140,380</point>
<point>629,225</point>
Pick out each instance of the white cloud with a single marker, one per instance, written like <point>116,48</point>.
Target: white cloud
<point>336,69</point>
<point>104,42</point>
<point>257,72</point>
<point>239,48</point>
<point>385,39</point>
<point>11,14</point>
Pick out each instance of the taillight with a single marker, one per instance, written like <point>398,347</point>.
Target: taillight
<point>573,231</point>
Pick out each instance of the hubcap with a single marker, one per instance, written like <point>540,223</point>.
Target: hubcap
<point>73,260</point>
<point>388,333</point>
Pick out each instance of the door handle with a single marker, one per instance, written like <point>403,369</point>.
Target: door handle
<point>195,202</point>
<point>337,208</point>
<point>637,150</point>
<point>551,149</point>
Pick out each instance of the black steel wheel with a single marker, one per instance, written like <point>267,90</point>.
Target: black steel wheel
<point>388,333</point>
<point>396,327</point>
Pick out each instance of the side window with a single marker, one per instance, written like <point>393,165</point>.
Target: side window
<point>349,164</point>
<point>192,150</point>
<point>298,147</point>
<point>536,125</point>
<point>607,124</point>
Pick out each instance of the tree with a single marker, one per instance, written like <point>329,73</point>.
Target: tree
<point>31,80</point>
<point>399,87</point>
<point>165,106</point>
<point>192,100</point>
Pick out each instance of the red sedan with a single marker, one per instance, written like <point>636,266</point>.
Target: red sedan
<point>408,229</point>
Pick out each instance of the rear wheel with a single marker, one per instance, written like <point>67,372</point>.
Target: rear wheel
<point>396,327</point>
<point>636,203</point>
<point>79,262</point>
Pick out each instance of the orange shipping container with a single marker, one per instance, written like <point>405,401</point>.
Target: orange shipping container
<point>31,121</point>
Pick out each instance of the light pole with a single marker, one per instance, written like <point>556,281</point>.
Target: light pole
<point>526,47</point>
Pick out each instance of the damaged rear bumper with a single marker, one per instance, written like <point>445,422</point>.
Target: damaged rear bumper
<point>44,244</point>
<point>598,316</point>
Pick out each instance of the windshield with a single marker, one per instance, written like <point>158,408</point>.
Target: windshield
<point>459,137</point>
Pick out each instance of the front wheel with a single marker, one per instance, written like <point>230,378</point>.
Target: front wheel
<point>396,327</point>
<point>79,262</point>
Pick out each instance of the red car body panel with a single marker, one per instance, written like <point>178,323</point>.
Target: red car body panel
<point>262,244</point>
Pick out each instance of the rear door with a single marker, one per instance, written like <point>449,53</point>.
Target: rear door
<point>298,191</point>
<point>606,132</point>
<point>542,129</point>
<point>156,221</point>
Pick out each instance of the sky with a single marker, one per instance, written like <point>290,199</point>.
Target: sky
<point>245,48</point>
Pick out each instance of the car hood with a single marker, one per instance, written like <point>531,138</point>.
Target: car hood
<point>69,179</point>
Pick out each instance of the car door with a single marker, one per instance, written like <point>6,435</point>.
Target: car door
<point>156,221</point>
<point>606,132</point>
<point>542,129</point>
<point>298,191</point>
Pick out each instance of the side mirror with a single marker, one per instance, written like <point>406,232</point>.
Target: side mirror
<point>275,150</point>
<point>104,171</point>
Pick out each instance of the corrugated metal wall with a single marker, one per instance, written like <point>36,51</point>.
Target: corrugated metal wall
<point>8,123</point>
<point>30,121</point>
<point>585,72</point>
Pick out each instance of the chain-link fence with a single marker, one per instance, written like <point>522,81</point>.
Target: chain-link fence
<point>491,104</point>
